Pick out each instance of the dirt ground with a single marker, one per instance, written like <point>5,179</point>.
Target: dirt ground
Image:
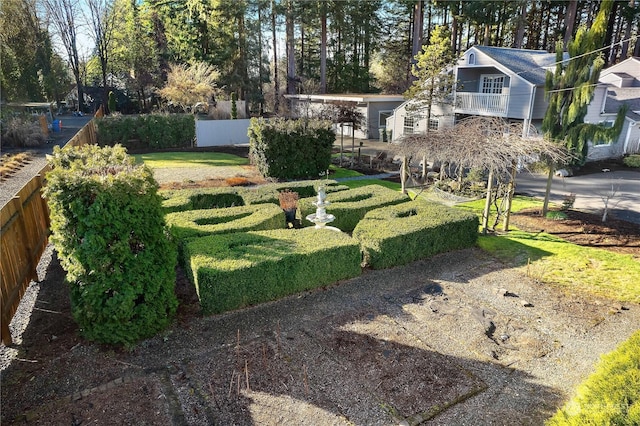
<point>457,339</point>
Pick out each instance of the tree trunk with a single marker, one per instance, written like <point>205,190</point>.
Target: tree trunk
<point>522,21</point>
<point>487,203</point>
<point>403,176</point>
<point>570,21</point>
<point>547,192</point>
<point>323,48</point>
<point>417,32</point>
<point>610,30</point>
<point>291,60</point>
<point>454,27</point>
<point>276,83</point>
<point>510,192</point>
<point>260,78</point>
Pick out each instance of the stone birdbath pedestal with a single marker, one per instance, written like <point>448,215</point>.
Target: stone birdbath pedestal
<point>320,217</point>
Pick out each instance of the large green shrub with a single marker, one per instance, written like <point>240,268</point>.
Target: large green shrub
<point>611,395</point>
<point>290,149</point>
<point>397,235</point>
<point>109,231</point>
<point>350,206</point>
<point>231,271</point>
<point>152,131</point>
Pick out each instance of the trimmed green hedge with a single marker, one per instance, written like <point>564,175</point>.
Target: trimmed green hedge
<point>210,198</point>
<point>350,206</point>
<point>305,188</point>
<point>232,271</point>
<point>109,231</point>
<point>397,235</point>
<point>199,223</point>
<point>152,131</point>
<point>290,149</point>
<point>201,198</point>
<point>609,396</point>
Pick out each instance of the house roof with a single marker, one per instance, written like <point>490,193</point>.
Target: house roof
<point>617,96</point>
<point>528,64</point>
<point>352,97</point>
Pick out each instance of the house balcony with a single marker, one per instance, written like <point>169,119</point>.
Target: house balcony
<point>482,104</point>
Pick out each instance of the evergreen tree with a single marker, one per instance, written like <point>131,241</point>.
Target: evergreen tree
<point>433,83</point>
<point>570,89</point>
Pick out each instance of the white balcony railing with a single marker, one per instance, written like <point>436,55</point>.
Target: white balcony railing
<point>482,103</point>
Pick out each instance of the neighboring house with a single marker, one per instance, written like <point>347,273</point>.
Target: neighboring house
<point>619,84</point>
<point>375,109</point>
<point>490,81</point>
<point>509,83</point>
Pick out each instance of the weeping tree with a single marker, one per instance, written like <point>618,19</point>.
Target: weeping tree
<point>485,143</point>
<point>569,91</point>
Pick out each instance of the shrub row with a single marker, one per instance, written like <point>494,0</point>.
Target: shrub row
<point>400,234</point>
<point>290,149</point>
<point>208,198</point>
<point>349,207</point>
<point>152,131</point>
<point>232,271</point>
<point>109,231</point>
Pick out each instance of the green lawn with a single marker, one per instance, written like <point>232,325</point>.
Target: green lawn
<point>552,260</point>
<point>158,160</point>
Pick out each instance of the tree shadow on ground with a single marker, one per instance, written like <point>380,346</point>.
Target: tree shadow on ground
<point>355,352</point>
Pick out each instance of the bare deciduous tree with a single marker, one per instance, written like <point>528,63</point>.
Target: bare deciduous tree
<point>62,15</point>
<point>607,197</point>
<point>101,21</point>
<point>485,143</point>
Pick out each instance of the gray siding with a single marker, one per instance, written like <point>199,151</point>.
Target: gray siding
<point>614,149</point>
<point>520,94</point>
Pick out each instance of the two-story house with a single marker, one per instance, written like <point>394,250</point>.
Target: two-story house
<point>509,83</point>
<point>490,81</point>
<point>619,84</point>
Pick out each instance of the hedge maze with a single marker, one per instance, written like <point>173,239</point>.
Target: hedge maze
<point>237,252</point>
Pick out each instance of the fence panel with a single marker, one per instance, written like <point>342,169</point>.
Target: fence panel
<point>24,235</point>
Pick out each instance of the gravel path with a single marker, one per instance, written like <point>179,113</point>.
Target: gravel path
<point>456,339</point>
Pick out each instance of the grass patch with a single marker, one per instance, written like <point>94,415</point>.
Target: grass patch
<point>156,160</point>
<point>553,260</point>
<point>336,172</point>
<point>609,396</point>
<point>366,182</point>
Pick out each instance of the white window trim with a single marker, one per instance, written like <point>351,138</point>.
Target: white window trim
<point>384,124</point>
<point>484,77</point>
<point>472,58</point>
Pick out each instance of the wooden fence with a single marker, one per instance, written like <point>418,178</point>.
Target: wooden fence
<point>24,234</point>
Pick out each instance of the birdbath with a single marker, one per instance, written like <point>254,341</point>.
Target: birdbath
<point>320,217</point>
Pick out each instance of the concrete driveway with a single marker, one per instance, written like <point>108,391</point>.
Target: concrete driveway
<point>622,188</point>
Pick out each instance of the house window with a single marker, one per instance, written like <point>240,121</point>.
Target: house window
<point>433,124</point>
<point>601,142</point>
<point>410,122</point>
<point>492,84</point>
<point>472,58</point>
<point>382,118</point>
